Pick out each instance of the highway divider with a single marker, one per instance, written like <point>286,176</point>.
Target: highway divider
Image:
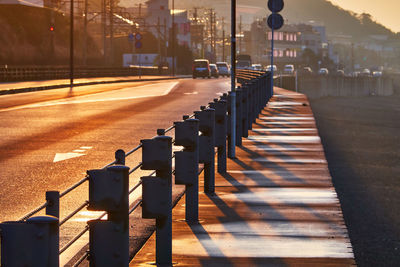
<point>34,240</point>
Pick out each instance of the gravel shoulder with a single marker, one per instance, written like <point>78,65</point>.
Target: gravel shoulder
<point>361,138</point>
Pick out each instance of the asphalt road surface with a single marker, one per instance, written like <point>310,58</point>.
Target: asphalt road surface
<point>49,139</point>
<point>362,145</point>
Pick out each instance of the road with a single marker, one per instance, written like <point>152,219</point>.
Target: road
<point>50,138</point>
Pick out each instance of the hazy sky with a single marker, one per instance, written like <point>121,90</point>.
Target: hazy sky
<point>385,12</point>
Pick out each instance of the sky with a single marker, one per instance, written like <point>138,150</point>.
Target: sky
<point>385,12</point>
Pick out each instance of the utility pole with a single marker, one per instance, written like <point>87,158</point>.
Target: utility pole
<point>215,35</point>
<point>159,41</point>
<point>223,39</point>
<point>165,38</point>
<point>232,141</point>
<point>84,58</point>
<point>111,19</point>
<point>71,47</point>
<point>352,58</point>
<point>240,35</point>
<point>103,23</point>
<point>173,37</point>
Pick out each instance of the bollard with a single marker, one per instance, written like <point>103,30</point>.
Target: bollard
<point>221,122</point>
<point>206,119</point>
<point>157,192</point>
<point>187,164</point>
<point>239,114</point>
<point>34,242</point>
<point>53,203</point>
<point>109,239</point>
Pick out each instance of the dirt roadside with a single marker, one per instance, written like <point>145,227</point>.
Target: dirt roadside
<point>361,138</point>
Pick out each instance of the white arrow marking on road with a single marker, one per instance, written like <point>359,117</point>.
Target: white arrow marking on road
<point>64,156</point>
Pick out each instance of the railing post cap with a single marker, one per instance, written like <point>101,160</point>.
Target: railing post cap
<point>202,107</point>
<point>185,117</point>
<point>160,132</point>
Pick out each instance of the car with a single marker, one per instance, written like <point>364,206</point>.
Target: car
<point>214,71</point>
<point>365,73</point>
<point>323,71</point>
<point>340,73</point>
<point>274,68</point>
<point>288,69</point>
<point>201,68</point>
<point>223,69</point>
<point>306,71</point>
<point>256,67</point>
<point>377,74</point>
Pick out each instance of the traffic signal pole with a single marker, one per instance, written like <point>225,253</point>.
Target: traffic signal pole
<point>231,150</point>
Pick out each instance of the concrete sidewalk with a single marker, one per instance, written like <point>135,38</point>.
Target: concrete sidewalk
<point>29,86</point>
<point>276,205</point>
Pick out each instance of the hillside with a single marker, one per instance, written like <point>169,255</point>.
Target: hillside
<point>26,39</point>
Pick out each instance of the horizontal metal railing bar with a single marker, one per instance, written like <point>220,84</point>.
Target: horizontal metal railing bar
<point>81,233</point>
<point>133,150</point>
<point>74,186</point>
<point>134,188</point>
<point>33,212</point>
<point>135,206</point>
<point>170,128</point>
<point>81,259</point>
<point>69,216</point>
<point>135,168</point>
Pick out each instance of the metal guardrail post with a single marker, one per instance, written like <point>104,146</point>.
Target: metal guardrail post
<point>221,122</point>
<point>157,192</point>
<point>245,111</point>
<point>239,114</point>
<point>109,239</point>
<point>206,119</point>
<point>187,164</point>
<point>34,242</point>
<point>53,203</point>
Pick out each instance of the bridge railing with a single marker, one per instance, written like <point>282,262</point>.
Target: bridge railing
<point>34,240</point>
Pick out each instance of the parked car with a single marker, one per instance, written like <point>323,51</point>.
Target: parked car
<point>288,69</point>
<point>201,68</point>
<point>306,71</point>
<point>223,69</point>
<point>256,67</point>
<point>340,73</point>
<point>323,71</point>
<point>214,71</point>
<point>365,73</point>
<point>377,74</point>
<point>274,68</point>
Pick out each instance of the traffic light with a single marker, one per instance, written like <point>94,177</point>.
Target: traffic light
<point>51,28</point>
<point>138,40</point>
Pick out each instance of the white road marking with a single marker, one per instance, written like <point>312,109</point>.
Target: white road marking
<point>86,147</point>
<point>193,93</point>
<point>79,150</point>
<point>287,118</point>
<point>280,139</point>
<point>64,156</point>
<point>285,130</point>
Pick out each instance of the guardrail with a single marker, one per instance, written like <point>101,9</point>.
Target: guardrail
<point>34,241</point>
<point>10,74</point>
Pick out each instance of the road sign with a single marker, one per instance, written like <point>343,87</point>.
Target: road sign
<point>275,5</point>
<point>138,36</point>
<point>138,42</point>
<point>131,37</point>
<point>275,21</point>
